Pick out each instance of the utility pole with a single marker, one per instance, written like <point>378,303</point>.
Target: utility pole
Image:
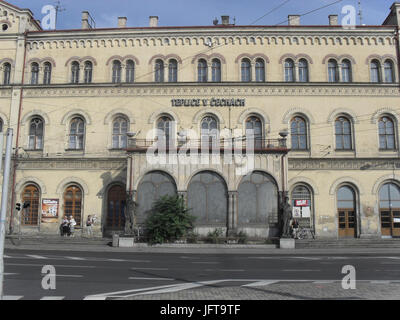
<point>4,204</point>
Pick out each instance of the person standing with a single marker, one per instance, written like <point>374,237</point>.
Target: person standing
<point>64,227</point>
<point>295,227</point>
<point>72,224</point>
<point>89,224</point>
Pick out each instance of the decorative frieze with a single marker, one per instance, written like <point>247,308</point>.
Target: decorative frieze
<point>344,164</point>
<point>211,90</point>
<point>72,164</point>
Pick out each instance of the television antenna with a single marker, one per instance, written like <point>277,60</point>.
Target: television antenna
<point>360,13</point>
<point>59,8</point>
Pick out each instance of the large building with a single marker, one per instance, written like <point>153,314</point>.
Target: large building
<point>83,102</point>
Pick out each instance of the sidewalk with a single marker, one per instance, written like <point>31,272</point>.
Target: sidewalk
<point>104,245</point>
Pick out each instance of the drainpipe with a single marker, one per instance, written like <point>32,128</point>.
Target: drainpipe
<point>17,139</point>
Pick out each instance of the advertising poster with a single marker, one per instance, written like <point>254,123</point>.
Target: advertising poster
<point>50,210</point>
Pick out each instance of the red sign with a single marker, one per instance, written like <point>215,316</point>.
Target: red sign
<point>302,203</point>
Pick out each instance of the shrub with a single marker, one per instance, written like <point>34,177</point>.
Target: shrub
<point>169,220</point>
<point>242,237</point>
<point>215,236</point>
<point>192,237</point>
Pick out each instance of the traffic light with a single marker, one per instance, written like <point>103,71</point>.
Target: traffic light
<point>26,205</point>
<point>18,206</point>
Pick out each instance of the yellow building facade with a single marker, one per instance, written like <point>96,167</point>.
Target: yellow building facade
<point>82,102</point>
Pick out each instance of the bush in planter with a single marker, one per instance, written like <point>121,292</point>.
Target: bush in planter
<point>169,220</point>
<point>242,237</point>
<point>192,237</point>
<point>215,236</point>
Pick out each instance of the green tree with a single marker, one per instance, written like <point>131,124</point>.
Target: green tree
<point>169,220</point>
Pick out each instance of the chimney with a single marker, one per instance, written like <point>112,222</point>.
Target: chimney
<point>294,20</point>
<point>85,20</point>
<point>153,21</point>
<point>225,20</point>
<point>122,22</point>
<point>333,20</point>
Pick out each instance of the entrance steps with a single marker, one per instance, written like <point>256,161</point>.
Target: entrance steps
<point>347,243</point>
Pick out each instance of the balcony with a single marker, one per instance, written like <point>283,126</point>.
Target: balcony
<point>211,145</point>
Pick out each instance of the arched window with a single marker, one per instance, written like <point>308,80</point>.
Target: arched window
<point>120,129</point>
<point>387,134</point>
<point>1,125</point>
<point>47,73</point>
<point>209,131</point>
<point>303,70</point>
<point>164,131</point>
<point>73,203</point>
<point>333,71</point>
<point>30,215</point>
<point>389,207</point>
<point>389,71</point>
<point>6,73</point>
<point>254,125</point>
<point>88,72</point>
<point>375,71</point>
<point>173,71</point>
<point>202,70</point>
<point>116,71</point>
<point>299,133</point>
<point>159,71</point>
<point>116,207</point>
<point>289,70</point>
<point>346,204</point>
<point>77,134</point>
<point>346,71</point>
<point>216,70</point>
<point>36,134</point>
<point>130,71</point>
<point>75,70</point>
<point>34,73</point>
<point>343,134</point>
<point>260,70</point>
<point>246,70</point>
<point>302,205</point>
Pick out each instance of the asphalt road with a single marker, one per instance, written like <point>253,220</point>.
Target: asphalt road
<point>100,275</point>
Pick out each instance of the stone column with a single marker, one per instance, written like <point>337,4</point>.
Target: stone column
<point>253,72</point>
<point>183,195</point>
<point>232,212</point>
<point>209,72</point>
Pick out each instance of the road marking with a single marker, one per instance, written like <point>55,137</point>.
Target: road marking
<point>52,298</point>
<point>260,283</point>
<point>41,265</point>
<point>69,275</point>
<point>306,258</point>
<point>116,260</point>
<point>95,298</point>
<point>108,294</point>
<point>151,269</point>
<point>157,279</point>
<point>301,270</point>
<point>324,281</point>
<point>35,256</point>
<point>76,258</point>
<point>5,256</point>
<point>380,282</point>
<point>10,274</point>
<point>12,297</point>
<point>205,262</point>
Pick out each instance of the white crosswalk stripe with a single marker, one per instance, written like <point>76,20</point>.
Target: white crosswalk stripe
<point>12,297</point>
<point>260,283</point>
<point>36,256</point>
<point>52,298</point>
<point>76,258</point>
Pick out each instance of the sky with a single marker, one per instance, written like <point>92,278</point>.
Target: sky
<point>201,12</point>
